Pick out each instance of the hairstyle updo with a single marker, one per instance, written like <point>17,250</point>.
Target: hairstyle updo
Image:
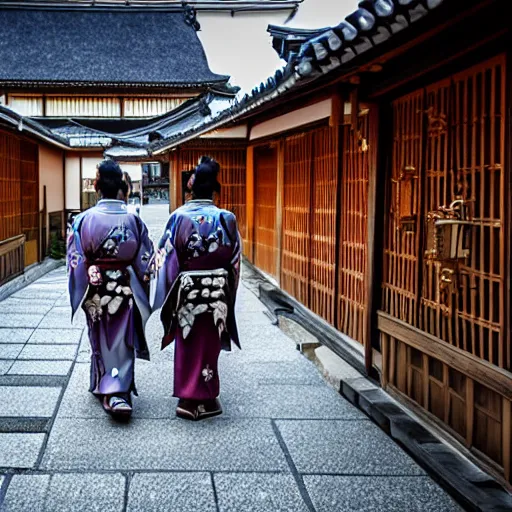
<point>205,179</point>
<point>110,180</point>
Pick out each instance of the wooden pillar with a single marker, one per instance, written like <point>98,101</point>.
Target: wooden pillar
<point>371,288</point>
<point>174,182</point>
<point>506,426</point>
<point>279,207</point>
<point>249,188</point>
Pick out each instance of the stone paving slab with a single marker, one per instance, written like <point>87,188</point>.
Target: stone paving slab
<point>20,320</point>
<point>62,320</point>
<point>86,492</point>
<point>33,294</point>
<point>160,492</point>
<point>29,401</point>
<point>26,493</point>
<point>47,351</point>
<point>20,450</point>
<point>154,385</point>
<point>232,369</point>
<point>14,335</point>
<point>40,368</point>
<point>10,350</point>
<point>211,445</point>
<point>4,366</point>
<point>377,494</point>
<point>288,401</point>
<point>55,336</point>
<point>258,493</point>
<point>20,306</point>
<point>345,447</point>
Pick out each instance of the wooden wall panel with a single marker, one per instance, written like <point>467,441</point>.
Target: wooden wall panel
<point>323,224</point>
<point>308,265</point>
<point>19,204</point>
<point>454,361</point>
<point>10,186</point>
<point>265,192</point>
<point>400,282</point>
<point>296,237</point>
<point>353,244</point>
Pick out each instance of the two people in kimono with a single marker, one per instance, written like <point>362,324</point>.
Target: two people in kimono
<point>111,263</point>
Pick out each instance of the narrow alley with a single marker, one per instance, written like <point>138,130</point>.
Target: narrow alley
<point>287,441</point>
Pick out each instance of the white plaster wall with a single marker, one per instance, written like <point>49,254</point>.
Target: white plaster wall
<point>294,119</point>
<point>51,176</point>
<point>241,47</point>
<point>72,169</point>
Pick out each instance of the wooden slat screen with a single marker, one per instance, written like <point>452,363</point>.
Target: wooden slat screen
<point>19,202</point>
<point>10,187</point>
<point>479,157</point>
<point>29,190</point>
<point>296,237</point>
<point>400,267</point>
<point>323,224</point>
<point>353,245</point>
<point>265,197</point>
<point>308,258</point>
<point>463,144</point>
<point>232,178</point>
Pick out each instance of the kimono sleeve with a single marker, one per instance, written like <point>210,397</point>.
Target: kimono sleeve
<point>231,226</point>
<point>76,263</point>
<point>167,263</point>
<point>144,261</point>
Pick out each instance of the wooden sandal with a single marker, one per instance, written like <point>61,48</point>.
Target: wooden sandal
<point>117,406</point>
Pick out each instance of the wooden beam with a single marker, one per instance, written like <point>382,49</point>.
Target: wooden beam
<point>279,207</point>
<point>506,428</point>
<point>174,182</point>
<point>249,187</point>
<point>485,373</point>
<point>370,284</point>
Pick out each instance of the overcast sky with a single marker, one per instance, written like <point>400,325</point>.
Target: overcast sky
<point>242,48</point>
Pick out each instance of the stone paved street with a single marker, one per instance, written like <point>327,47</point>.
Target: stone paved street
<point>286,442</point>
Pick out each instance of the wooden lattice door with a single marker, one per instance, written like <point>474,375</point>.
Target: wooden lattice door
<point>265,204</point>
<point>465,161</point>
<point>353,219</point>
<point>449,148</point>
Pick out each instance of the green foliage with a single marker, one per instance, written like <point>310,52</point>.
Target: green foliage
<point>57,247</point>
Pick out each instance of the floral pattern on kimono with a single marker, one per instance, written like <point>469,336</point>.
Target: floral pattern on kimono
<point>198,237</point>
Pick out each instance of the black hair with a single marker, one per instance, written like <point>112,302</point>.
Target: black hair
<point>205,179</point>
<point>110,180</point>
<point>128,180</point>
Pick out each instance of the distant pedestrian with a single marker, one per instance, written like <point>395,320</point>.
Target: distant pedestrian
<point>197,285</point>
<point>110,259</point>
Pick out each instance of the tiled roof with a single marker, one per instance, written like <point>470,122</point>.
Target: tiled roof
<point>24,124</point>
<point>120,47</point>
<point>373,22</point>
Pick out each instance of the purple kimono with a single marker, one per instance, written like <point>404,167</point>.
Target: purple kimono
<point>110,260</point>
<point>196,288</point>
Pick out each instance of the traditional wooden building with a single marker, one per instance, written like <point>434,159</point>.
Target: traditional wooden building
<point>377,202</point>
<point>87,77</point>
<point>31,179</point>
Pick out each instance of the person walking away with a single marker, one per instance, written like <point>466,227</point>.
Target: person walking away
<point>110,260</point>
<point>199,255</point>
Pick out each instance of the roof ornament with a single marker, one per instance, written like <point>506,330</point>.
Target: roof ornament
<point>190,15</point>
<point>203,108</point>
